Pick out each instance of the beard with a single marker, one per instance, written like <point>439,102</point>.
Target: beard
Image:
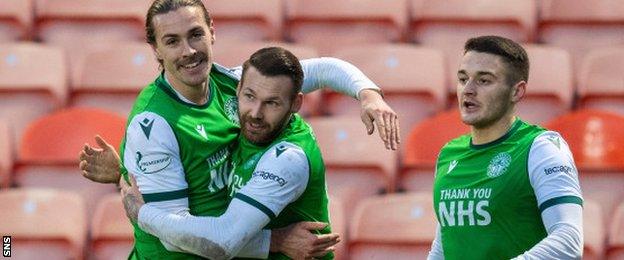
<point>266,134</point>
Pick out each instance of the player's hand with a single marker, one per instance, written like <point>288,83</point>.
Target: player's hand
<point>100,164</point>
<point>131,197</point>
<point>375,111</point>
<point>298,242</point>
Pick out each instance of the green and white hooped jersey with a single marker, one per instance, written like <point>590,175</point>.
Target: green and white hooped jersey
<point>179,152</point>
<point>285,179</point>
<point>489,198</point>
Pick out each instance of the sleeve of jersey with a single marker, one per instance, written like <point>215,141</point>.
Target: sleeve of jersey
<point>552,172</point>
<point>280,177</point>
<point>152,156</point>
<point>436,252</point>
<point>336,74</point>
<point>220,237</point>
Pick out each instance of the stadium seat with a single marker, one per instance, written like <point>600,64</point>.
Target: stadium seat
<point>357,165</point>
<point>48,153</point>
<point>593,230</point>
<point>338,222</point>
<point>233,54</point>
<point>327,24</point>
<point>395,226</point>
<point>111,78</point>
<point>32,83</point>
<point>246,20</point>
<point>595,139</point>
<point>447,24</point>
<point>15,19</point>
<point>581,25</point>
<point>600,80</point>
<point>6,155</point>
<point>71,23</point>
<point>43,224</point>
<point>85,25</point>
<point>412,79</point>
<point>616,234</point>
<point>550,88</point>
<point>422,147</point>
<point>111,232</point>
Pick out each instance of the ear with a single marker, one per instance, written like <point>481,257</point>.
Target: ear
<point>297,102</point>
<point>518,91</point>
<point>212,32</point>
<point>156,53</point>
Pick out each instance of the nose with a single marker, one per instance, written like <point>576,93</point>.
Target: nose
<point>187,49</point>
<point>256,111</point>
<point>468,88</point>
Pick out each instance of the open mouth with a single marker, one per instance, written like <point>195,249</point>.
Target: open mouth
<point>469,105</point>
<point>193,64</point>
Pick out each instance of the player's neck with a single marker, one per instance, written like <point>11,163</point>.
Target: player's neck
<point>196,94</point>
<point>494,131</point>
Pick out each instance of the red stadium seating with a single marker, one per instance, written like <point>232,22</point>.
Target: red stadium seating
<point>422,147</point>
<point>81,26</point>
<point>327,24</point>
<point>71,23</point>
<point>447,24</point>
<point>412,79</point>
<point>593,230</point>
<point>396,226</point>
<point>616,234</point>
<point>233,54</point>
<point>30,74</point>
<point>111,231</point>
<point>111,78</point>
<point>48,153</point>
<point>6,155</point>
<point>43,224</point>
<point>600,80</point>
<point>595,139</point>
<point>357,165</point>
<point>550,87</point>
<point>246,20</point>
<point>339,225</point>
<point>581,25</point>
<point>15,19</point>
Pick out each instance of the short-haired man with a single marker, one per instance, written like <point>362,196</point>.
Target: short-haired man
<point>508,189</point>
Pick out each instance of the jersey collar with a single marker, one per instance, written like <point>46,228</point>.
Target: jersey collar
<point>162,83</point>
<point>517,123</point>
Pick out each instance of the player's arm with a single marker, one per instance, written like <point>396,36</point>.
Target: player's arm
<point>554,178</point>
<point>345,78</point>
<point>436,252</point>
<point>277,180</point>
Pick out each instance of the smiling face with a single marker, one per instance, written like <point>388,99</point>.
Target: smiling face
<point>265,105</point>
<point>183,44</point>
<point>483,92</point>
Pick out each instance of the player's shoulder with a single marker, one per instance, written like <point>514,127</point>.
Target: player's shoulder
<point>460,142</point>
<point>284,151</point>
<point>149,127</point>
<point>548,139</point>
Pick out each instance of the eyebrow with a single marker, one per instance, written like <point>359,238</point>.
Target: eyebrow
<point>479,73</point>
<point>192,30</point>
<point>270,98</point>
